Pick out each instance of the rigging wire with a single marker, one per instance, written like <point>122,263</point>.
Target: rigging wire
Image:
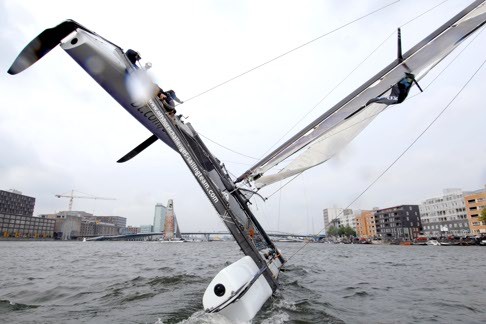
<point>423,13</point>
<point>227,148</point>
<point>448,64</point>
<point>292,50</point>
<point>284,185</point>
<point>349,74</point>
<point>312,109</point>
<point>374,115</point>
<point>331,91</point>
<point>306,204</point>
<point>405,151</point>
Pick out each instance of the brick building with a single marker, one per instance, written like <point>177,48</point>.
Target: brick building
<point>475,203</point>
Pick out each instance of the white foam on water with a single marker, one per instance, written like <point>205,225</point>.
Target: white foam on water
<point>278,318</point>
<point>201,317</point>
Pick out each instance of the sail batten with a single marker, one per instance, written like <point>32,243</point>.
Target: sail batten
<point>334,129</point>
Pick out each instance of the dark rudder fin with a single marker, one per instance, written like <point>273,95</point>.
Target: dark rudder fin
<point>149,141</point>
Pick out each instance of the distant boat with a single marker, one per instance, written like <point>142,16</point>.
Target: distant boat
<point>421,240</point>
<point>433,242</point>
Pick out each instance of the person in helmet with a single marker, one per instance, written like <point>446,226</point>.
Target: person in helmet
<point>167,98</point>
<point>133,56</point>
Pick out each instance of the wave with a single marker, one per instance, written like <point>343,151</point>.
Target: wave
<point>358,294</point>
<point>8,306</point>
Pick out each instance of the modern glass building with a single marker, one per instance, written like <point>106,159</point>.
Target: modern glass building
<point>159,218</point>
<point>159,222</point>
<point>146,229</point>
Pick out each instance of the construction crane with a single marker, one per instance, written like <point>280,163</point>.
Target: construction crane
<point>87,196</point>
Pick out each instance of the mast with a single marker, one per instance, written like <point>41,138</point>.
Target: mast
<point>227,199</point>
<point>400,58</point>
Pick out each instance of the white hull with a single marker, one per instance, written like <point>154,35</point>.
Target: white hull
<point>233,293</point>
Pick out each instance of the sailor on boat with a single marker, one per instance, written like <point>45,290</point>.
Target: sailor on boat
<point>167,98</point>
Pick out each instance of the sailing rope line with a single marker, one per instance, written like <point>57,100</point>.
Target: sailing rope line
<point>423,13</point>
<point>251,157</point>
<point>349,74</point>
<point>452,61</point>
<point>403,153</point>
<point>329,93</point>
<point>292,50</point>
<point>415,95</point>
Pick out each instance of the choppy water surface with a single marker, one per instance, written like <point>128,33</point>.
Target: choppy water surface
<point>138,282</point>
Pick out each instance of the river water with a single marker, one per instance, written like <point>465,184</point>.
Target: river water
<point>149,282</point>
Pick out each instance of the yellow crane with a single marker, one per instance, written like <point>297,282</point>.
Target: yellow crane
<point>87,196</point>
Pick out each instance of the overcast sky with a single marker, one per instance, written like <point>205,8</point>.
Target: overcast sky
<point>59,130</point>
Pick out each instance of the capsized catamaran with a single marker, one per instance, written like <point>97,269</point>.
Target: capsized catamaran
<point>239,290</point>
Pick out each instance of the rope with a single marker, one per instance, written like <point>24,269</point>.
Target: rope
<point>374,115</point>
<point>448,64</point>
<point>330,92</point>
<point>348,75</point>
<point>405,151</point>
<point>292,50</point>
<point>423,13</point>
<point>251,157</point>
<point>284,185</point>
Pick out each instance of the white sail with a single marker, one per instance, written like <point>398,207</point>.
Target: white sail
<point>329,133</point>
<point>328,144</point>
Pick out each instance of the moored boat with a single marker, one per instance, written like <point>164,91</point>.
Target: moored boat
<point>433,243</point>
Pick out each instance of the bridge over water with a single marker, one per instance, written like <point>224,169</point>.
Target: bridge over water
<point>205,236</point>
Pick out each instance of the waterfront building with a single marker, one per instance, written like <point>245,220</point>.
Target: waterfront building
<point>81,214</point>
<point>338,217</point>
<point>118,221</point>
<point>131,230</point>
<point>14,203</point>
<point>398,223</point>
<point>160,222</point>
<point>445,215</point>
<point>74,224</point>
<point>349,219</point>
<point>159,218</point>
<point>169,221</point>
<point>90,228</point>
<point>475,203</point>
<point>67,227</point>
<point>20,226</point>
<point>144,229</point>
<point>365,224</point>
<point>16,217</point>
